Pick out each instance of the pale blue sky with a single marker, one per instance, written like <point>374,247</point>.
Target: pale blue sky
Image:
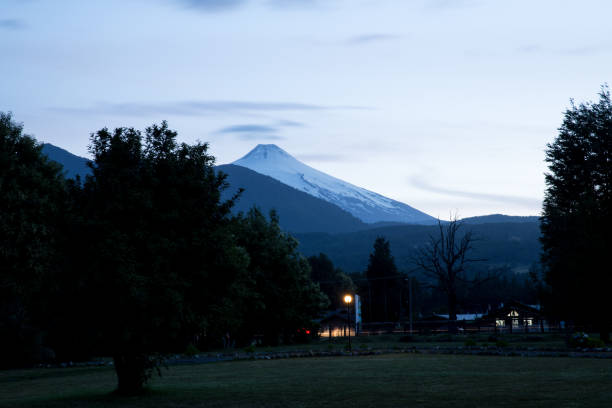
<point>444,105</point>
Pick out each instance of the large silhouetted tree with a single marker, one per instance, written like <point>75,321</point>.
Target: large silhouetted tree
<point>576,221</point>
<point>156,255</point>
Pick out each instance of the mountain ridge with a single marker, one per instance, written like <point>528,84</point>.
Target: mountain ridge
<point>368,206</point>
<point>298,212</point>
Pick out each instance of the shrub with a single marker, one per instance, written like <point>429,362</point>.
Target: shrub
<point>595,343</point>
<point>582,340</point>
<point>249,349</point>
<point>191,350</point>
<point>578,340</point>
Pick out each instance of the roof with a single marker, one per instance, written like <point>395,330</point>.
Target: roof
<point>521,308</point>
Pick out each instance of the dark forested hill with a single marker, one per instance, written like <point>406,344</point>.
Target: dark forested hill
<point>513,244</point>
<point>499,218</point>
<point>72,164</point>
<point>298,211</point>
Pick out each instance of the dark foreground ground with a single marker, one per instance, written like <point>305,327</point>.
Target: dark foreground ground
<point>394,380</point>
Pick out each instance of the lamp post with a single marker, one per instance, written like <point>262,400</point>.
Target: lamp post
<point>348,299</point>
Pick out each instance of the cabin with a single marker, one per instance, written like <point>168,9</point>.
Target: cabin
<point>516,317</point>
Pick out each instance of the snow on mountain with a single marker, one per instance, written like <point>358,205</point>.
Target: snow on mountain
<point>366,205</point>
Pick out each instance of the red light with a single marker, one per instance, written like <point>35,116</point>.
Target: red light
<point>307,331</point>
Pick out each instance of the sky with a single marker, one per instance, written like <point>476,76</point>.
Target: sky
<point>445,105</point>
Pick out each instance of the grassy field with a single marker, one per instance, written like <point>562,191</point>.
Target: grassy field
<point>399,380</point>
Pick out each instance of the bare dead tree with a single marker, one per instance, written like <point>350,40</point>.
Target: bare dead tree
<point>445,259</point>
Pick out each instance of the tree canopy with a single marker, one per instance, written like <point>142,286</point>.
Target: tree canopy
<point>576,220</point>
<point>158,256</point>
<point>334,283</point>
<point>280,297</point>
<point>32,193</point>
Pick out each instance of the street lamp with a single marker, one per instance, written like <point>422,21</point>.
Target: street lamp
<point>348,299</point>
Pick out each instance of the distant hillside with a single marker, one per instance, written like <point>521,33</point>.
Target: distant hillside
<point>72,164</point>
<point>514,244</point>
<point>298,211</point>
<point>499,218</point>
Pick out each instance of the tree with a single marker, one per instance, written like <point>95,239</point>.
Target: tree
<point>32,191</point>
<point>576,221</point>
<point>156,256</point>
<point>385,284</point>
<point>445,259</point>
<point>281,298</point>
<point>334,283</point>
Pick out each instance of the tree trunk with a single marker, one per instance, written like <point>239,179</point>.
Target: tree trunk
<point>452,312</point>
<point>131,372</point>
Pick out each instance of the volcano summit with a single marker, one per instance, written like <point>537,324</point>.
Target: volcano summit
<point>370,207</point>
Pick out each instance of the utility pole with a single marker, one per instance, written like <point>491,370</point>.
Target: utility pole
<point>410,302</point>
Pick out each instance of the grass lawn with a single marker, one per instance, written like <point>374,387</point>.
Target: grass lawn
<point>399,380</point>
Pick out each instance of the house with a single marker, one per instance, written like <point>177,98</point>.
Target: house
<point>516,317</point>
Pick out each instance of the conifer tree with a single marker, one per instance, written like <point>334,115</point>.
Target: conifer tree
<point>576,221</point>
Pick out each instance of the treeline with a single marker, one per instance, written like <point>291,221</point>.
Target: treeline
<point>390,294</point>
<point>141,257</point>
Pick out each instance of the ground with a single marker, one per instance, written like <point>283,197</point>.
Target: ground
<point>393,380</point>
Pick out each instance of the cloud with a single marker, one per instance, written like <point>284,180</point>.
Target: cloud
<point>523,201</point>
<point>11,24</point>
<point>212,5</point>
<point>370,38</point>
<point>290,123</point>
<point>197,108</point>
<point>248,129</point>
<point>252,132</point>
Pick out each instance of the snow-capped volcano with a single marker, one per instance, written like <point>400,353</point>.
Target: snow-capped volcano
<point>366,205</point>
